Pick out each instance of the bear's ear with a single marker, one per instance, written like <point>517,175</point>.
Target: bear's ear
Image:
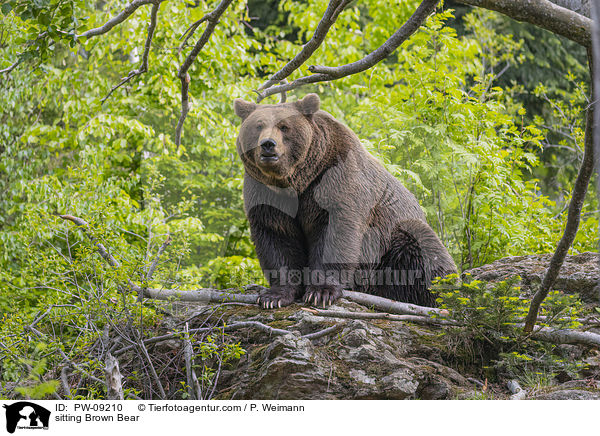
<point>243,108</point>
<point>309,104</point>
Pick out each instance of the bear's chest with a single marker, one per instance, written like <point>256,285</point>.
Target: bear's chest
<point>311,217</point>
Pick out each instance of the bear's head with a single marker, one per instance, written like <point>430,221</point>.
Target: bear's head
<point>275,139</point>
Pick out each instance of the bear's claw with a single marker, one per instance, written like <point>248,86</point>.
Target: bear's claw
<point>276,297</point>
<point>322,295</point>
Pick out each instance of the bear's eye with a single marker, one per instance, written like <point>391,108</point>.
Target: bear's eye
<point>259,126</point>
<point>284,128</point>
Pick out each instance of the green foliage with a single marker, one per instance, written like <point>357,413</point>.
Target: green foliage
<point>491,317</point>
<point>490,311</point>
<point>437,113</point>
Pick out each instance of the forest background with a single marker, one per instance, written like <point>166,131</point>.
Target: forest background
<point>481,117</point>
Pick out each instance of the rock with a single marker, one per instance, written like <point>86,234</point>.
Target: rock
<point>570,394</point>
<point>364,360</point>
<point>383,359</point>
<point>578,275</point>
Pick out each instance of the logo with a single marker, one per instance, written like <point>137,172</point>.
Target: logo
<point>26,415</point>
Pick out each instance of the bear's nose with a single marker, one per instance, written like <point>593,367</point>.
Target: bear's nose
<point>268,145</point>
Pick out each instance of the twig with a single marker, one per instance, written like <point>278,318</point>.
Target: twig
<point>64,356</point>
<point>143,68</point>
<point>12,67</point>
<point>194,390</point>
<point>64,379</point>
<point>161,390</point>
<point>189,32</point>
<point>386,316</point>
<point>154,263</point>
<point>212,20</point>
<point>323,73</point>
<point>101,248</point>
<point>333,10</point>
<point>118,19</point>
<point>230,327</point>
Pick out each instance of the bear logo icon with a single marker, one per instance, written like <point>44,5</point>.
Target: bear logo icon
<point>26,414</point>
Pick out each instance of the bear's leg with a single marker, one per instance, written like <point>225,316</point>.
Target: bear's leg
<point>328,266</point>
<point>279,244</point>
<point>416,256</point>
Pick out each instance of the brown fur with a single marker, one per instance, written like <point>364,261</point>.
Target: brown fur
<point>320,205</point>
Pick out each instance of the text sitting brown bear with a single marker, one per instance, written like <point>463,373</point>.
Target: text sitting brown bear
<point>325,215</point>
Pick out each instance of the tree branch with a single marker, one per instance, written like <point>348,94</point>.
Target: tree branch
<point>595,14</point>
<point>323,73</point>
<point>419,319</point>
<point>324,332</point>
<point>12,67</point>
<point>212,20</point>
<point>161,250</point>
<point>331,14</point>
<point>194,390</point>
<point>101,248</point>
<point>228,328</point>
<point>143,68</point>
<point>189,32</point>
<point>573,219</point>
<point>544,14</point>
<point>129,9</point>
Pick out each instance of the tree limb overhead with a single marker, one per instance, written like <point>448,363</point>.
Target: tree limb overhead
<point>324,74</point>
<point>129,9</point>
<point>544,14</point>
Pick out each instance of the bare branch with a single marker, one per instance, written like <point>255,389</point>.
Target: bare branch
<point>189,32</point>
<point>565,336</point>
<point>207,295</point>
<point>194,390</point>
<point>118,19</point>
<point>212,20</point>
<point>12,67</point>
<point>64,380</point>
<point>101,248</point>
<point>595,14</point>
<point>324,332</point>
<point>161,390</point>
<point>161,250</point>
<point>228,328</point>
<point>544,14</point>
<point>419,319</point>
<point>391,306</point>
<point>323,73</point>
<point>144,63</point>
<point>333,10</point>
<point>202,295</point>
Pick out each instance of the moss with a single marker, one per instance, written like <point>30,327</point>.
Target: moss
<point>281,324</point>
<point>285,312</point>
<point>256,352</point>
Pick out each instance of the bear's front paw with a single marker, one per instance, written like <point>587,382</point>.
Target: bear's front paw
<point>324,295</point>
<point>277,296</point>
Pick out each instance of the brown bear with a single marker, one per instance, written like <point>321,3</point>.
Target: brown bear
<point>325,215</point>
